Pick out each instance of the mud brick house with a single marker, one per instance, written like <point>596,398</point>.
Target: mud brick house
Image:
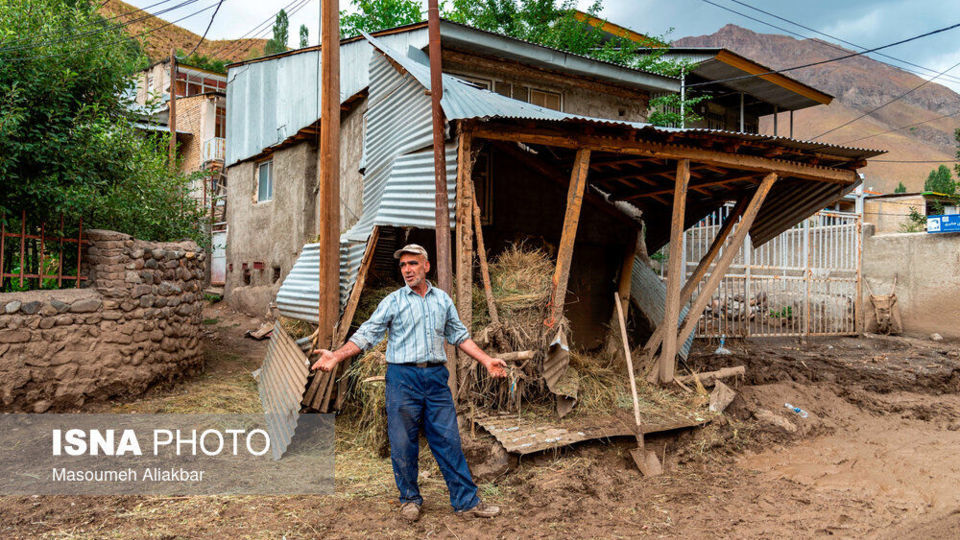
<point>550,145</point>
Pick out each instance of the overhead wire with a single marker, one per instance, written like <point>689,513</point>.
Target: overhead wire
<point>204,36</point>
<point>948,115</point>
<point>827,61</point>
<point>104,29</point>
<point>826,43</point>
<point>237,43</point>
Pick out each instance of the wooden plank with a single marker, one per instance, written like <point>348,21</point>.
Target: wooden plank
<point>691,285</point>
<point>350,310</point>
<point>693,186</point>
<point>625,145</point>
<point>484,267</point>
<point>464,231</point>
<point>571,219</point>
<point>709,377</point>
<point>706,292</point>
<point>675,274</point>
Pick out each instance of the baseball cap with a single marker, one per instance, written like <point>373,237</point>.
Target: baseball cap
<point>414,249</point>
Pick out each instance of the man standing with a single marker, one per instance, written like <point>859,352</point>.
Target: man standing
<point>418,318</point>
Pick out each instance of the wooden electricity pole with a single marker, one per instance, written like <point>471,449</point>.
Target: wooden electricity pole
<point>328,203</point>
<point>172,120</point>
<point>444,271</point>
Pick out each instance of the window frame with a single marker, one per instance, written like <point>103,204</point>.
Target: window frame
<point>259,179</point>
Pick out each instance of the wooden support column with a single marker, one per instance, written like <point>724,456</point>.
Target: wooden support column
<point>464,239</point>
<point>343,328</point>
<point>691,285</point>
<point>675,273</point>
<point>623,284</point>
<point>482,255</point>
<point>571,219</point>
<point>328,193</point>
<point>696,310</point>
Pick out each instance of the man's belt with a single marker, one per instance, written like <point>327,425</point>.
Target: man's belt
<point>427,364</point>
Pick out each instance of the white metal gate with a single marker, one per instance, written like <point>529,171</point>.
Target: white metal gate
<point>804,282</point>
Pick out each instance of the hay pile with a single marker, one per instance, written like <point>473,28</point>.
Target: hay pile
<point>366,400</point>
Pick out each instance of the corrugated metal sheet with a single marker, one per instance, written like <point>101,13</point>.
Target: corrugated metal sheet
<point>282,380</point>
<point>650,294</point>
<point>272,100</point>
<point>298,296</point>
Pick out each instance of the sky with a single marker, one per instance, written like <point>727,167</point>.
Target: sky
<point>870,23</point>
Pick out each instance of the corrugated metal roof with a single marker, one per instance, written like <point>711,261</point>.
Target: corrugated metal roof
<point>282,380</point>
<point>650,294</point>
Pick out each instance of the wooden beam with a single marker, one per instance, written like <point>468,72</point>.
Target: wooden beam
<point>571,219</point>
<point>464,239</point>
<point>328,195</point>
<point>706,292</point>
<point>675,273</point>
<point>625,145</point>
<point>691,285</point>
<point>484,268</point>
<point>692,186</point>
<point>343,327</point>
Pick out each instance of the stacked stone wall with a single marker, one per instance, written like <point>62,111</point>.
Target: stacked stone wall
<point>137,322</point>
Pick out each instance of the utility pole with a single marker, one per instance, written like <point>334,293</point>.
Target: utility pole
<point>328,202</point>
<point>444,270</point>
<point>172,120</point>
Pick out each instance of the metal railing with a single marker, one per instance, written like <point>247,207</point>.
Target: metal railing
<point>804,282</point>
<point>214,149</point>
<point>33,256</point>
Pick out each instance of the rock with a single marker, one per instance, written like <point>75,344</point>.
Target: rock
<point>721,396</point>
<point>87,305</point>
<point>14,322</point>
<point>61,307</point>
<point>768,417</point>
<point>141,290</point>
<point>46,323</point>
<point>12,307</point>
<point>64,320</point>
<point>157,253</point>
<point>30,308</point>
<point>136,254</point>
<point>132,277</point>
<point>14,336</point>
<point>150,263</point>
<point>936,337</point>
<point>47,310</point>
<point>41,406</point>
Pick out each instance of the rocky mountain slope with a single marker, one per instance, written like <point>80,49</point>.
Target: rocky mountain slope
<point>859,84</point>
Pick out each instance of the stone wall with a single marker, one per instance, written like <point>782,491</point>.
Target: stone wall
<point>136,323</point>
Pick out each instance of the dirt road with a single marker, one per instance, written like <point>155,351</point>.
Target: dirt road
<point>877,457</point>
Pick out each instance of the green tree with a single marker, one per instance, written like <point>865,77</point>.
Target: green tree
<point>67,144</point>
<point>304,36</point>
<point>900,188</point>
<point>373,15</point>
<point>278,43</point>
<point>940,181</point>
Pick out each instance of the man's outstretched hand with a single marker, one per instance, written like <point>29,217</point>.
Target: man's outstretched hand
<point>496,367</point>
<point>327,360</point>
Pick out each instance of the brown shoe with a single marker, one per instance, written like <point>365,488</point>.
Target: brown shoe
<point>482,510</point>
<point>410,511</point>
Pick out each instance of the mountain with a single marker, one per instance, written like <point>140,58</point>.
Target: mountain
<point>163,36</point>
<point>858,84</point>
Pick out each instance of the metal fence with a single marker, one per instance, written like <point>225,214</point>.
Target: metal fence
<point>39,255</point>
<point>805,282</point>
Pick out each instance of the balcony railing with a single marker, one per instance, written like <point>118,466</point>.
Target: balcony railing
<point>214,149</point>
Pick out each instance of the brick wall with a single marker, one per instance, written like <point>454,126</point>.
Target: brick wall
<point>136,324</point>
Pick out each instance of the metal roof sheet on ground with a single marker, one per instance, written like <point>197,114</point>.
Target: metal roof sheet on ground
<point>525,435</point>
<point>649,292</point>
<point>281,381</point>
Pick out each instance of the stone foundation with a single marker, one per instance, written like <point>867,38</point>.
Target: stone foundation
<point>136,323</point>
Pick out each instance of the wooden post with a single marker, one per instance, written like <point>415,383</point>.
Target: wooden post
<point>464,230</point>
<point>696,310</point>
<point>691,285</point>
<point>482,255</point>
<point>442,211</point>
<point>351,308</point>
<point>675,276</point>
<point>328,195</point>
<point>571,219</point>
<point>172,110</point>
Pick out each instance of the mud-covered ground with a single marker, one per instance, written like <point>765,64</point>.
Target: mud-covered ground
<point>876,457</point>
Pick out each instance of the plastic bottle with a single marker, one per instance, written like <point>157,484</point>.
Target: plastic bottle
<point>798,410</point>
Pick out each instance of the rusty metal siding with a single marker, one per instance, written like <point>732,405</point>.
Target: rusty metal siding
<point>281,381</point>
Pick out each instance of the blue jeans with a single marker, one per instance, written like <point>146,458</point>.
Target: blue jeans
<point>420,397</point>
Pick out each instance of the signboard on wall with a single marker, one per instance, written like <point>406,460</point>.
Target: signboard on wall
<point>943,224</point>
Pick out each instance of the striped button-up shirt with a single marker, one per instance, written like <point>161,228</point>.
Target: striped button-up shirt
<point>417,326</point>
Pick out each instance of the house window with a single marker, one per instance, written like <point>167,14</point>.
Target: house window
<point>265,181</point>
<point>543,98</point>
<point>220,126</point>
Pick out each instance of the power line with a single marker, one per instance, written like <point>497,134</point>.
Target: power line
<point>831,45</point>
<point>231,47</point>
<point>902,127</point>
<point>898,98</point>
<point>911,160</point>
<point>107,44</point>
<point>108,28</point>
<point>204,36</point>
<point>829,60</point>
